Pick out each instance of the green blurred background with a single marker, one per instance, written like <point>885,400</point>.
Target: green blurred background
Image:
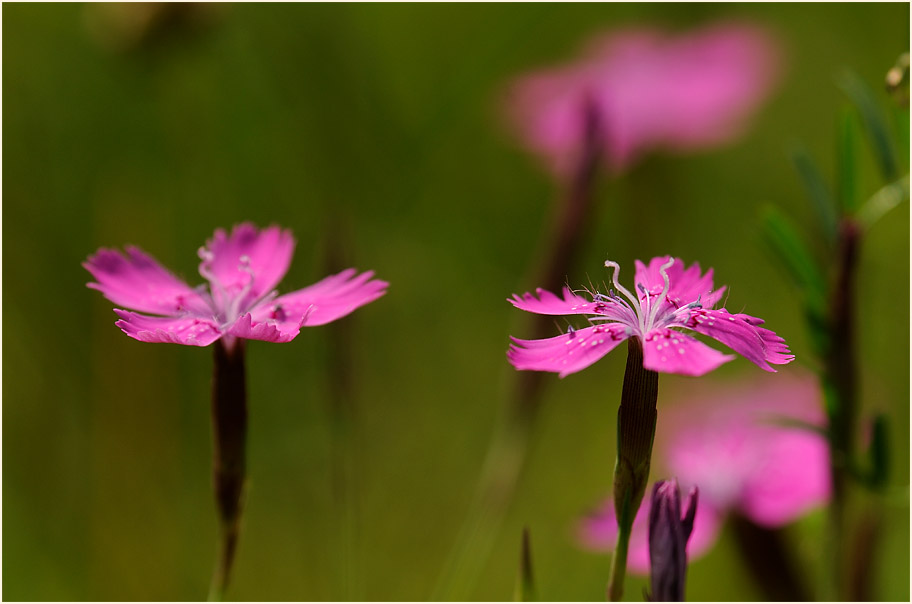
<point>375,129</point>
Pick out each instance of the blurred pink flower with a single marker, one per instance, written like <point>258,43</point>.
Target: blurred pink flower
<point>651,89</point>
<point>668,297</point>
<point>742,445</point>
<point>242,268</point>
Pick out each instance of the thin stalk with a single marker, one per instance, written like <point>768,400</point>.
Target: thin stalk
<point>636,427</point>
<point>343,414</point>
<point>769,561</point>
<point>229,431</point>
<point>841,391</point>
<point>619,566</point>
<point>509,446</point>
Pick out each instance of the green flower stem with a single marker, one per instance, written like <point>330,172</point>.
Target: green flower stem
<point>635,435</point>
<point>619,565</point>
<point>229,423</point>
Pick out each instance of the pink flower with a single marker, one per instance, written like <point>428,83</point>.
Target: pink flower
<point>670,298</point>
<point>742,446</point>
<point>242,270</point>
<point>651,89</point>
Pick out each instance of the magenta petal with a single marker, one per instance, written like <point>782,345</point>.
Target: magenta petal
<point>567,353</point>
<point>137,281</point>
<point>571,304</point>
<point>671,351</point>
<point>784,489</point>
<point>741,334</point>
<point>325,301</point>
<point>268,331</point>
<point>651,89</point>
<point>685,285</point>
<point>549,304</point>
<point>189,331</point>
<point>598,532</point>
<point>264,254</point>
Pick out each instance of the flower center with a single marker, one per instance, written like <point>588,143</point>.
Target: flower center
<point>647,311</point>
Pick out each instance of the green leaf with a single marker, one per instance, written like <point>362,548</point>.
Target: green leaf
<point>817,190</point>
<point>879,453</point>
<point>783,240</point>
<point>525,584</point>
<point>846,166</point>
<point>874,122</point>
<point>782,236</point>
<point>901,119</point>
<point>883,201</point>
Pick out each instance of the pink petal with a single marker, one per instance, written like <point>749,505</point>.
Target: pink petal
<point>789,480</point>
<point>549,304</point>
<point>266,254</point>
<point>190,331</point>
<point>268,331</point>
<point>567,353</point>
<point>685,285</point>
<point>598,532</point>
<point>572,304</point>
<point>740,333</point>
<point>670,351</point>
<point>138,281</point>
<point>332,298</point>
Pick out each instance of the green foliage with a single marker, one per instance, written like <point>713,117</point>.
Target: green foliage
<point>818,192</point>
<point>846,164</point>
<point>525,580</point>
<point>874,121</point>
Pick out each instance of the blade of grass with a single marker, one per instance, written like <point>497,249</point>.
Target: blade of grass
<point>846,166</point>
<point>818,192</point>
<point>874,122</point>
<point>883,201</point>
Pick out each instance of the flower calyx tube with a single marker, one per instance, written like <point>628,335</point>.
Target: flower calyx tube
<point>636,427</point>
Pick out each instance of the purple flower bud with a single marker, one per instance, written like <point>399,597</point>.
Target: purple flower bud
<point>669,531</point>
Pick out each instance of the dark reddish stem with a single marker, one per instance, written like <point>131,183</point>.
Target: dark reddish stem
<point>343,415</point>
<point>570,220</point>
<point>229,424</point>
<point>841,390</point>
<point>769,560</point>
<point>507,452</point>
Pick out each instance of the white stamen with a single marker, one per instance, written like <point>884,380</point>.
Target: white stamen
<point>614,279</point>
<point>663,270</point>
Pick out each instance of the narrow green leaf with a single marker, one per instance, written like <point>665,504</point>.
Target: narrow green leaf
<point>901,119</point>
<point>793,423</point>
<point>874,122</point>
<point>883,201</point>
<point>879,453</point>
<point>783,238</point>
<point>525,584</point>
<point>846,166</point>
<point>817,190</point>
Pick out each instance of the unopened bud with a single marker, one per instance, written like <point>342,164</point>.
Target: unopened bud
<point>669,531</point>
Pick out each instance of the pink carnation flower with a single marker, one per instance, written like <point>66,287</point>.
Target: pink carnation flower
<point>651,89</point>
<point>242,269</point>
<point>670,298</point>
<point>741,446</point>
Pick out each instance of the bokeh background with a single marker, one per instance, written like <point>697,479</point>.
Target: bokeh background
<point>374,131</point>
